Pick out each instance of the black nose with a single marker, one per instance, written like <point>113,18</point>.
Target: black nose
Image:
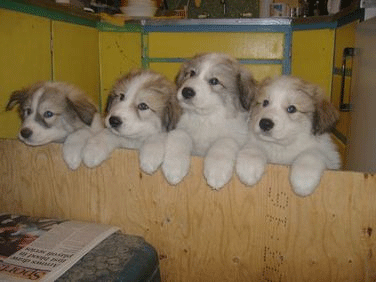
<point>188,92</point>
<point>266,124</point>
<point>26,132</point>
<point>115,121</point>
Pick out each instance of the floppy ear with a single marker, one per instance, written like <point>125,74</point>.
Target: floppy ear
<point>180,76</point>
<point>247,86</point>
<point>325,115</point>
<point>171,114</point>
<point>17,97</point>
<point>111,97</point>
<point>83,108</point>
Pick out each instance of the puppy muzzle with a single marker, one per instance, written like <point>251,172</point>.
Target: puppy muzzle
<point>266,124</point>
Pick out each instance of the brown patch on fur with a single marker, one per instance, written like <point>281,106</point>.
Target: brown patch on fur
<point>83,108</point>
<point>19,97</point>
<point>247,88</point>
<point>325,114</point>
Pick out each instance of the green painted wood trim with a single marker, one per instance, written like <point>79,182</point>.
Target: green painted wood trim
<point>102,26</point>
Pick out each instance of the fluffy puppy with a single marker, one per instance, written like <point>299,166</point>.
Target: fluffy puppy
<point>214,92</point>
<point>289,124</point>
<point>56,112</point>
<point>141,108</point>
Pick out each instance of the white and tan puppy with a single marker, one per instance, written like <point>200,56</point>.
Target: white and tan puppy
<point>289,124</point>
<point>141,108</point>
<point>214,92</point>
<point>56,112</point>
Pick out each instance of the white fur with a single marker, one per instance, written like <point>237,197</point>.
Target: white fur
<point>289,142</point>
<point>208,127</point>
<point>140,129</point>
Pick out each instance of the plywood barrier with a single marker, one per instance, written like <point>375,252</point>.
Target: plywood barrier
<point>263,233</point>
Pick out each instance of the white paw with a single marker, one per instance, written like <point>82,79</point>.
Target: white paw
<point>304,179</point>
<point>218,171</point>
<point>95,152</point>
<point>151,157</point>
<point>250,169</point>
<point>72,155</point>
<point>174,169</point>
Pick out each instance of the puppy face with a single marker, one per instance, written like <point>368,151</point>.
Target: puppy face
<point>140,104</point>
<point>50,111</point>
<point>213,81</point>
<point>287,107</point>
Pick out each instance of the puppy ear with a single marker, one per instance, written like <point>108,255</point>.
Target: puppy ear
<point>325,114</point>
<point>324,117</point>
<point>247,86</point>
<point>17,97</point>
<point>111,97</point>
<point>83,108</point>
<point>171,114</point>
<point>181,74</point>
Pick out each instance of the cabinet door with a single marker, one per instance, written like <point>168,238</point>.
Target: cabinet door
<point>345,38</point>
<point>76,56</point>
<point>119,53</point>
<point>262,52</point>
<point>25,58</point>
<point>312,56</point>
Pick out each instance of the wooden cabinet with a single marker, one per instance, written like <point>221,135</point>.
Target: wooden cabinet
<point>341,85</point>
<point>119,53</point>
<point>76,56</point>
<point>25,57</point>
<point>262,52</point>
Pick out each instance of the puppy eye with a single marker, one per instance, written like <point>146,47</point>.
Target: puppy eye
<point>192,73</point>
<point>265,103</point>
<point>27,111</point>
<point>142,106</point>
<point>122,97</point>
<point>291,109</point>
<point>48,114</point>
<point>213,81</point>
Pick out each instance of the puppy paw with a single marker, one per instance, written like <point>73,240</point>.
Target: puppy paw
<point>304,179</point>
<point>95,152</point>
<point>250,169</point>
<point>218,171</point>
<point>72,155</point>
<point>151,157</point>
<point>174,169</point>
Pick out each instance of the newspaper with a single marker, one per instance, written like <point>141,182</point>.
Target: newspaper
<point>41,249</point>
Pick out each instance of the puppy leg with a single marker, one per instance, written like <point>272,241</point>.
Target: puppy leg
<point>73,147</point>
<point>152,153</point>
<point>250,164</point>
<point>177,156</point>
<point>99,147</point>
<point>219,162</point>
<point>306,172</point>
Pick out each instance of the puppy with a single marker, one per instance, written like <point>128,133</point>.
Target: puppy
<point>214,92</point>
<point>56,112</point>
<point>141,108</point>
<point>289,124</point>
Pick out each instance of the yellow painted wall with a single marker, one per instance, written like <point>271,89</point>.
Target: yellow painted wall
<point>24,59</point>
<point>239,44</point>
<point>312,56</point>
<point>76,56</point>
<point>119,53</point>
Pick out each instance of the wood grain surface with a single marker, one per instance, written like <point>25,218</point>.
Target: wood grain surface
<point>260,233</point>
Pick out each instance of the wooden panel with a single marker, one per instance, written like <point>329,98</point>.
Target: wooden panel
<point>76,56</point>
<point>24,59</point>
<point>345,37</point>
<point>240,45</point>
<point>259,71</point>
<point>264,233</point>
<point>312,57</point>
<point>119,52</point>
